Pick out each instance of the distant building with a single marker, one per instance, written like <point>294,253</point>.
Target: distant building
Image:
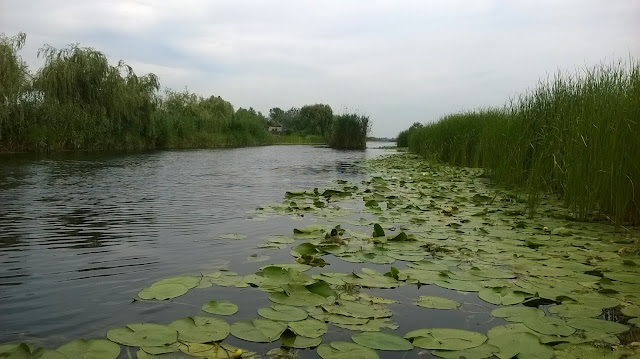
<point>276,130</point>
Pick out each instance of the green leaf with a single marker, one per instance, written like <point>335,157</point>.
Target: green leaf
<point>523,345</point>
<point>201,329</point>
<point>169,287</point>
<point>624,277</point>
<point>357,310</point>
<point>90,349</point>
<point>597,325</point>
<point>310,328</point>
<point>284,313</point>
<point>480,352</point>
<point>216,351</point>
<point>436,302</point>
<point>445,338</point>
<point>258,330</point>
<point>382,341</point>
<point>220,307</point>
<point>460,285</point>
<point>517,313</point>
<point>343,350</point>
<point>501,296</point>
<point>574,310</point>
<point>143,335</point>
<point>549,326</point>
<point>291,340</point>
<point>377,230</point>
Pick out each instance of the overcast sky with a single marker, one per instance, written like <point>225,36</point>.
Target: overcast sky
<point>397,61</point>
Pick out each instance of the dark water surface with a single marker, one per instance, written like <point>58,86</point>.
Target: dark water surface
<point>83,233</point>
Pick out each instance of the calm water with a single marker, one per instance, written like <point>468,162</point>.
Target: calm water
<point>81,234</point>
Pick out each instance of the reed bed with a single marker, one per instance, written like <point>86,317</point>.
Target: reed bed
<point>576,135</point>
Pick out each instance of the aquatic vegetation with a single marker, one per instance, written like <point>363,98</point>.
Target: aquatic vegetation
<point>349,132</point>
<point>566,136</point>
<point>564,287</point>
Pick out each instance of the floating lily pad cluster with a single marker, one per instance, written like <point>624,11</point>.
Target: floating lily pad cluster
<point>567,289</point>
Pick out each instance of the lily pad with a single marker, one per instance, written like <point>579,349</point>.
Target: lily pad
<point>436,302</point>
<point>597,325</point>
<point>169,287</point>
<point>549,326</point>
<point>382,341</point>
<point>575,310</point>
<point>291,340</point>
<point>480,352</point>
<point>502,296</point>
<point>216,351</point>
<point>24,351</point>
<point>460,285</point>
<point>445,338</point>
<point>357,309</point>
<point>258,330</point>
<point>342,350</point>
<point>220,307</point>
<point>143,335</point>
<point>310,328</point>
<point>517,313</point>
<point>90,349</point>
<point>201,329</point>
<point>285,313</point>
<point>523,345</point>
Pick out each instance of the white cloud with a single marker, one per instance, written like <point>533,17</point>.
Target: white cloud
<point>399,62</point>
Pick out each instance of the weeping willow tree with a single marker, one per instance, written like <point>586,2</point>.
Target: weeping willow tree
<point>14,82</point>
<point>88,103</point>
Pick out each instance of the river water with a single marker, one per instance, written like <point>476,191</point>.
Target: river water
<point>83,233</point>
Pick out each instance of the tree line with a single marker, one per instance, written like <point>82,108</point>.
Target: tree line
<point>78,101</point>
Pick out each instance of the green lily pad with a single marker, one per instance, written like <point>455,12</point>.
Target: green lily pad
<point>523,345</point>
<point>169,287</point>
<point>436,302</point>
<point>24,351</point>
<point>357,309</point>
<point>631,310</point>
<point>382,341</point>
<point>258,330</point>
<point>369,325</point>
<point>285,313</point>
<point>301,297</point>
<point>445,338</point>
<point>201,329</point>
<point>459,285</point>
<point>597,325</point>
<point>480,352</point>
<point>342,350</point>
<point>624,277</point>
<point>502,296</point>
<point>220,307</point>
<point>143,335</point>
<point>90,349</point>
<point>549,326</point>
<point>291,340</point>
<point>517,313</point>
<point>575,311</point>
<point>310,328</point>
<point>215,351</point>
<point>582,351</point>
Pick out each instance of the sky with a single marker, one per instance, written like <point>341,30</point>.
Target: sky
<point>398,62</point>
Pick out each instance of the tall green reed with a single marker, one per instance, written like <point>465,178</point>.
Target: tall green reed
<point>575,134</point>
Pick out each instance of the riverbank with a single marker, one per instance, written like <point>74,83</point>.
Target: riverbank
<point>576,135</point>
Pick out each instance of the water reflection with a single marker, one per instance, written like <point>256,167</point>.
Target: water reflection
<point>81,233</point>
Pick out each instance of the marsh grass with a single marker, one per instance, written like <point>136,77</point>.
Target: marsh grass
<point>349,132</point>
<point>575,134</point>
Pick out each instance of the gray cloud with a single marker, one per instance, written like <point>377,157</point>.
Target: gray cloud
<point>399,62</point>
